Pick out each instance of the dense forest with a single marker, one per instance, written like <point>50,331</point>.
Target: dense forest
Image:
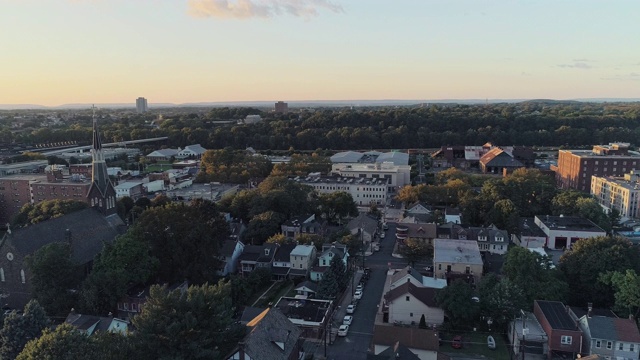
<point>534,123</point>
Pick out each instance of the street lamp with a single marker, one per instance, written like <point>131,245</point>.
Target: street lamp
<point>489,322</point>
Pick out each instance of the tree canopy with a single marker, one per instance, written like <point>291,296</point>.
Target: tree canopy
<point>44,210</point>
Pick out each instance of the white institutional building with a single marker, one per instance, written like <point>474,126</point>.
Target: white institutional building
<point>395,176</point>
<point>364,191</point>
<point>620,193</point>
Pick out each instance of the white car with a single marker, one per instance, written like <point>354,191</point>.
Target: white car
<point>347,320</point>
<point>359,287</point>
<point>351,308</point>
<point>358,295</point>
<point>343,330</point>
<point>385,226</point>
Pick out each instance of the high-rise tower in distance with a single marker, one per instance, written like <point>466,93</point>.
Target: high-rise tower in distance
<point>141,105</point>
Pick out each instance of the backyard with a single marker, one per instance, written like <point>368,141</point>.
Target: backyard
<point>475,343</point>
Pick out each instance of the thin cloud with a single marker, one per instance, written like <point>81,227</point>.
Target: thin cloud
<point>576,65</point>
<point>634,76</point>
<point>247,9</point>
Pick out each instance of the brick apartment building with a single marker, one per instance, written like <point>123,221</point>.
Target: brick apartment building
<point>575,167</point>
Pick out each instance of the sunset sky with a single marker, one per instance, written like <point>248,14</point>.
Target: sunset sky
<point>56,52</point>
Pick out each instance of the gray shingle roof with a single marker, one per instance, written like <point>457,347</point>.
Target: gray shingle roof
<point>89,231</point>
<point>268,329</point>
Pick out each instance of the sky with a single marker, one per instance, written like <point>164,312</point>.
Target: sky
<point>55,52</point>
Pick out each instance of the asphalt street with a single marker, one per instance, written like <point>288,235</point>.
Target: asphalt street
<point>355,345</point>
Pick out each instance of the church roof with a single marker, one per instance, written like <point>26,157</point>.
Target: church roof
<point>88,228</point>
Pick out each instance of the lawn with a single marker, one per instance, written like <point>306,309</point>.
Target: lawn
<point>157,167</point>
<point>279,290</point>
<point>475,343</point>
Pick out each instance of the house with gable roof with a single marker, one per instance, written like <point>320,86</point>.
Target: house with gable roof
<point>424,232</point>
<point>406,303</point>
<point>256,256</point>
<point>364,225</point>
<point>163,154</point>
<point>302,259</point>
<point>90,324</point>
<point>608,336</point>
<point>302,224</point>
<point>270,336</point>
<point>424,343</point>
<point>324,260</point>
<point>409,274</point>
<point>191,151</point>
<point>231,249</point>
<point>282,261</point>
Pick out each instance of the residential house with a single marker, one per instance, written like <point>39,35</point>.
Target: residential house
<point>421,212</point>
<point>406,303</point>
<point>312,316</point>
<point>529,234</point>
<point>563,334</point>
<point>306,289</point>
<point>454,259</point>
<point>329,251</point>
<point>90,324</point>
<point>395,352</point>
<point>191,151</point>
<point>563,231</point>
<point>492,240</point>
<point>303,224</point>
<point>424,343</point>
<point>609,336</point>
<point>282,262</point>
<point>498,161</point>
<point>163,154</point>
<point>231,249</point>
<point>132,303</point>
<point>302,258</point>
<point>424,232</point>
<point>86,231</point>
<point>270,336</point>
<point>256,256</point>
<point>364,226</point>
<point>409,274</point>
<point>452,215</point>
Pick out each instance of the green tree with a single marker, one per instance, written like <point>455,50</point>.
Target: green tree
<point>591,257</point>
<point>456,301</point>
<point>63,343</point>
<point>333,280</point>
<point>196,324</point>
<point>48,209</point>
<point>564,203</point>
<point>278,239</point>
<point>19,329</point>
<point>423,322</point>
<point>119,266</point>
<point>184,238</point>
<point>415,250</point>
<point>262,226</point>
<point>337,206</point>
<point>53,275</point>
<point>627,291</point>
<point>505,215</point>
<point>501,300</point>
<point>534,274</point>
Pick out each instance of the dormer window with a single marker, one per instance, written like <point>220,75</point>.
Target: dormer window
<point>500,238</point>
<point>482,238</point>
<point>266,252</point>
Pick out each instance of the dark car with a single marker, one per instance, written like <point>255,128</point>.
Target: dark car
<point>456,343</point>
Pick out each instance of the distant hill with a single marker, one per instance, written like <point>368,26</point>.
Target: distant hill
<point>317,103</point>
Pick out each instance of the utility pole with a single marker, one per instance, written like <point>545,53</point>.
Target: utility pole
<point>362,243</point>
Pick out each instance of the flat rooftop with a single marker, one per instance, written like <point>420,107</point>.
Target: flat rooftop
<point>304,309</point>
<point>570,223</point>
<point>457,252</point>
<point>339,180</point>
<point>556,314</point>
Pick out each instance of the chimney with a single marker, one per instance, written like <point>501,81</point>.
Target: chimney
<point>241,350</point>
<point>589,309</point>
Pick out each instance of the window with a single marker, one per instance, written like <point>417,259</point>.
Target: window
<point>609,345</point>
<point>632,348</point>
<point>565,340</point>
<point>407,298</point>
<point>2,274</point>
<point>410,314</point>
<point>598,344</point>
<point>439,266</point>
<point>620,346</point>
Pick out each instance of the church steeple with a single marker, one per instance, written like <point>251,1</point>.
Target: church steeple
<point>99,174</point>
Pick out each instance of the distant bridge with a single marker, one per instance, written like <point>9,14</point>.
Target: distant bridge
<point>51,151</point>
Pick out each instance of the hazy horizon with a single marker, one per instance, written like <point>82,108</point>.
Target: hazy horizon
<point>192,51</point>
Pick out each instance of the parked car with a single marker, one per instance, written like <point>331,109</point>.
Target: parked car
<point>351,308</point>
<point>358,295</point>
<point>359,287</point>
<point>385,226</point>
<point>347,320</point>
<point>491,342</point>
<point>456,343</point>
<point>343,330</point>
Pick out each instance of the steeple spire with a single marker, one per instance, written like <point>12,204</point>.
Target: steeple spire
<point>99,175</point>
